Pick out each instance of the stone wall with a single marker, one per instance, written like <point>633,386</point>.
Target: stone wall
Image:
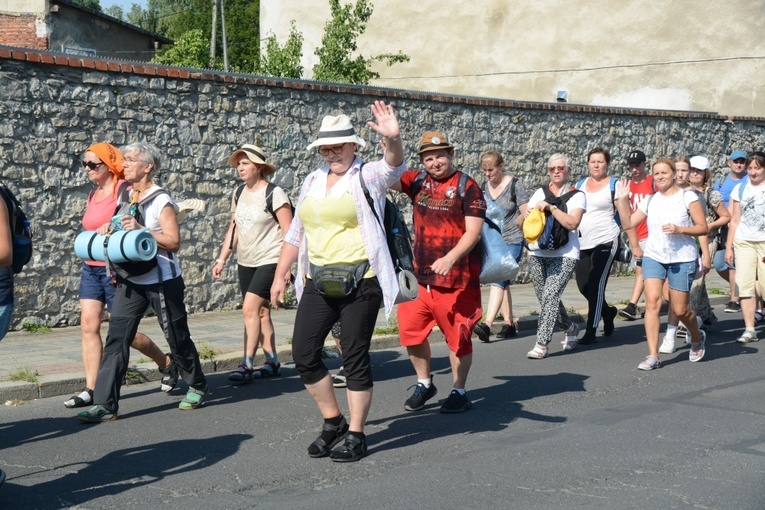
<point>52,107</point>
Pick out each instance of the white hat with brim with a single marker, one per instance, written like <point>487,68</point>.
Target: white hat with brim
<point>336,130</point>
<point>254,154</point>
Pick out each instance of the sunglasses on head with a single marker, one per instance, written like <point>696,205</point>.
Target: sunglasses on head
<point>91,165</point>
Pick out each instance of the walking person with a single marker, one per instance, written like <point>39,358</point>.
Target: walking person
<point>508,195</point>
<point>641,187</point>
<point>598,244</point>
<point>103,164</point>
<point>674,217</point>
<point>746,238</point>
<point>737,175</point>
<point>6,279</point>
<point>344,272</point>
<point>551,270</point>
<point>160,287</point>
<point>260,214</point>
<point>448,210</point>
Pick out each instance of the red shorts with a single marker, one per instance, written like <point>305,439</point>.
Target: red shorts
<point>455,311</point>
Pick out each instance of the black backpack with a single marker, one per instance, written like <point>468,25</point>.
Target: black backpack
<point>555,235</point>
<point>21,230</point>
<point>396,232</point>
<point>130,269</point>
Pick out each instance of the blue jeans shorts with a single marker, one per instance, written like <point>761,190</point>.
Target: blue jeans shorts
<point>718,261</point>
<point>6,314</point>
<point>679,274</point>
<point>517,251</point>
<point>96,284</point>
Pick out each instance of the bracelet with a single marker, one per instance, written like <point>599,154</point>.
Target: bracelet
<point>219,261</point>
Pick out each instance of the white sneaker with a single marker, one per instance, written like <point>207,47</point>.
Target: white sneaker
<point>667,345</point>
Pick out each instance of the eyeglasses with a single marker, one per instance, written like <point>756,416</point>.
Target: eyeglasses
<point>557,169</point>
<point>326,151</point>
<point>90,165</point>
<point>128,161</point>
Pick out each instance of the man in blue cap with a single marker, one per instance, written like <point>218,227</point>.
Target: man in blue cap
<point>737,175</point>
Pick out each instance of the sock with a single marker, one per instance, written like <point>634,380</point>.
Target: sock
<point>248,361</point>
<point>747,330</point>
<point>272,357</point>
<point>85,396</point>
<point>461,391</point>
<point>671,330</point>
<point>425,382</point>
<point>360,435</point>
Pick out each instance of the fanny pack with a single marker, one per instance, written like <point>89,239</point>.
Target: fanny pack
<point>338,281</point>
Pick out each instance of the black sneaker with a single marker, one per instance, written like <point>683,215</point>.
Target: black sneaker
<point>630,312</point>
<point>608,321</point>
<point>483,332</point>
<point>340,379</point>
<point>733,307</point>
<point>589,338</point>
<point>420,396</point>
<point>456,403</point>
<point>507,331</point>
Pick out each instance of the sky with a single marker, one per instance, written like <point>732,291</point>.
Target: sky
<point>125,4</point>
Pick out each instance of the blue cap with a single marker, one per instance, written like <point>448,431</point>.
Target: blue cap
<point>737,155</point>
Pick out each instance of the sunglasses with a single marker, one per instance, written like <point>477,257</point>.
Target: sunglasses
<point>558,168</point>
<point>91,165</point>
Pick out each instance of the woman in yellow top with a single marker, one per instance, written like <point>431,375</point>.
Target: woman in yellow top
<point>341,252</point>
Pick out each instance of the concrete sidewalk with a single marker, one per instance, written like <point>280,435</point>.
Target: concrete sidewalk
<point>56,356</point>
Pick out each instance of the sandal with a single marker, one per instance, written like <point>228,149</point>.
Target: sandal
<point>193,399</point>
<point>169,376</point>
<point>263,372</point>
<point>78,401</point>
<point>324,448</point>
<point>242,374</point>
<point>354,449</point>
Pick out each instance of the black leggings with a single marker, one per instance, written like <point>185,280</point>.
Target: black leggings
<point>315,316</point>
<point>592,272</point>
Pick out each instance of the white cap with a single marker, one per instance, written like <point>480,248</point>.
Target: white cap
<point>700,162</point>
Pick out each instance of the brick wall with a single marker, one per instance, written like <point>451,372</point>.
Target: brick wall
<point>21,30</point>
<point>53,106</point>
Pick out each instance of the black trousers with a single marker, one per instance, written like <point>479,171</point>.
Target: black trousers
<point>130,303</point>
<point>592,272</point>
<point>315,316</point>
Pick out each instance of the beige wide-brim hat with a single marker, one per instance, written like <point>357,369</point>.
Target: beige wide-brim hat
<point>254,154</point>
<point>336,130</point>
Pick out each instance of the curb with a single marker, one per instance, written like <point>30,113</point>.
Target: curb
<point>69,384</point>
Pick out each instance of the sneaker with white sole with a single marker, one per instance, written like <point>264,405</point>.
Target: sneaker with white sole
<point>538,352</point>
<point>667,345</point>
<point>650,363</point>
<point>570,341</point>
<point>748,337</point>
<point>698,350</point>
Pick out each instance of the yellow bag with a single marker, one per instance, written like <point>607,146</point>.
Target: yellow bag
<point>534,225</point>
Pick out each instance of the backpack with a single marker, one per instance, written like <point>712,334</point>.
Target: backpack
<point>554,235</point>
<point>612,184</point>
<point>130,269</point>
<point>21,230</point>
<point>396,232</point>
<point>270,187</point>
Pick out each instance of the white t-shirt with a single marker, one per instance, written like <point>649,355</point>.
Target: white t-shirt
<point>598,225</point>
<point>167,262</point>
<point>662,210</point>
<point>752,201</point>
<point>571,249</point>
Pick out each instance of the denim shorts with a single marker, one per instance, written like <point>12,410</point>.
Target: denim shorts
<point>679,274</point>
<point>97,284</point>
<point>517,250</point>
<point>718,261</point>
<point>6,314</point>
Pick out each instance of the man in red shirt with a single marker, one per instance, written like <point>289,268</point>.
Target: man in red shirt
<point>641,186</point>
<point>448,213</point>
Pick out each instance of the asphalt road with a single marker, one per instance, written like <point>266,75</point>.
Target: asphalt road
<point>582,429</point>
